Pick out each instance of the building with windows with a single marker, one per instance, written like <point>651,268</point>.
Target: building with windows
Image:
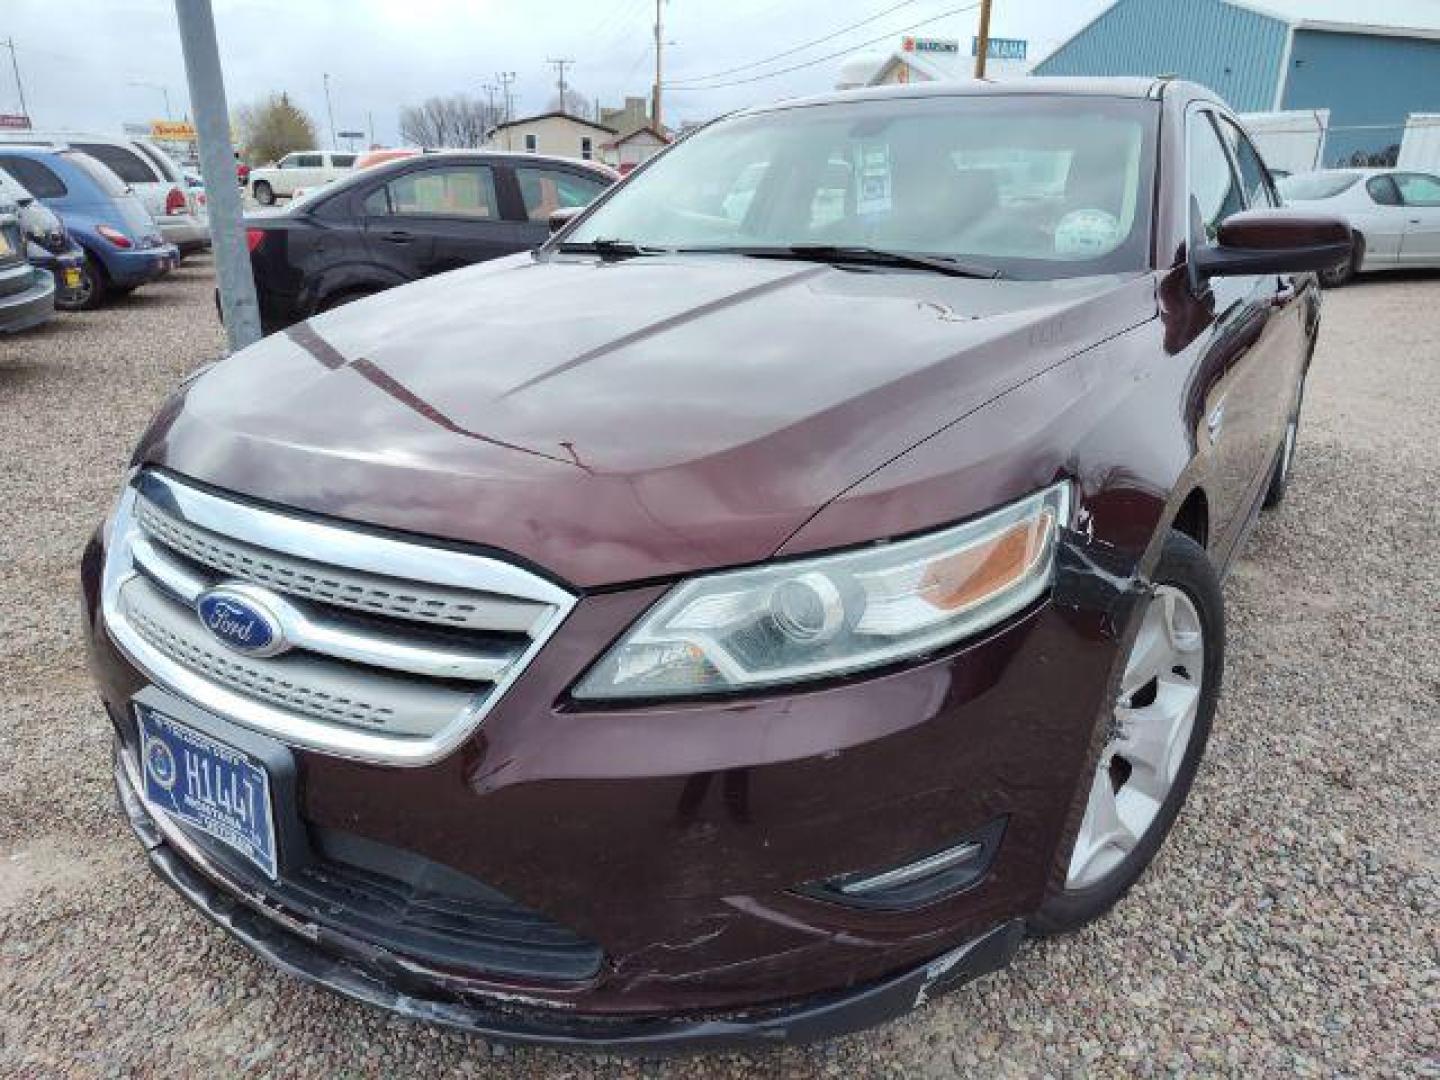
<point>1370,63</point>
<point>630,150</point>
<point>557,133</point>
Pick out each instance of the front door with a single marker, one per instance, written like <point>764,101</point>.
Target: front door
<point>1420,193</point>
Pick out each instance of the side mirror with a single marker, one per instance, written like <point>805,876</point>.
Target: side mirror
<point>563,216</point>
<point>1273,242</point>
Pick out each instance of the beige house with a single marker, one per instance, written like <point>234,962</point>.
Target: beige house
<point>630,150</point>
<point>556,133</point>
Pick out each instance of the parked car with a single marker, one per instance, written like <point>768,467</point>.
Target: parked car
<point>403,220</point>
<point>123,248</point>
<point>1395,214</point>
<point>47,245</point>
<point>27,293</point>
<point>302,169</point>
<point>145,168</point>
<point>711,628</point>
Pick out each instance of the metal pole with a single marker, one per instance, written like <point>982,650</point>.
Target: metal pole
<point>217,165</point>
<point>659,45</point>
<point>560,66</point>
<point>329,112</point>
<point>19,86</point>
<point>982,40</point>
<point>370,125</point>
<point>166,92</point>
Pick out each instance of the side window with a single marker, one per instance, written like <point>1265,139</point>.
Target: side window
<point>289,161</point>
<point>1418,189</point>
<point>310,161</point>
<point>1258,193</point>
<point>532,143</point>
<point>38,179</point>
<point>126,164</point>
<point>342,161</point>
<point>1212,181</point>
<point>464,191</point>
<point>587,147</point>
<point>1383,190</point>
<point>377,203</point>
<point>547,190</point>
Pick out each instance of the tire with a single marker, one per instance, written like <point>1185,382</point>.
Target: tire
<point>1343,274</point>
<point>93,291</point>
<point>1280,477</point>
<point>264,193</point>
<point>340,299</point>
<point>1091,878</point>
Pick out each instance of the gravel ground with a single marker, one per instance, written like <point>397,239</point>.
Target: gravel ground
<point>1292,924</point>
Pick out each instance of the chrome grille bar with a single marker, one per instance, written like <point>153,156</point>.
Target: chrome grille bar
<point>396,649</point>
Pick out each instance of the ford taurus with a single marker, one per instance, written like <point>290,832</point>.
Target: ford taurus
<point>747,615</point>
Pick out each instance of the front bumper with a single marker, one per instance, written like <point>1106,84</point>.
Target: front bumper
<point>681,838</point>
<point>29,307</point>
<point>365,974</point>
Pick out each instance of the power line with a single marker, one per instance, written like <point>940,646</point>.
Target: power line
<point>831,56</point>
<point>796,49</point>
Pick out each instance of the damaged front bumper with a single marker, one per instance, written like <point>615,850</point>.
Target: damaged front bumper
<point>376,977</point>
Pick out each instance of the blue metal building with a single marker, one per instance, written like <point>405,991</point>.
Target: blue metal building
<point>1370,62</point>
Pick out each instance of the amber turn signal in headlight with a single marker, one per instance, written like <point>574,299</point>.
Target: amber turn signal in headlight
<point>812,618</point>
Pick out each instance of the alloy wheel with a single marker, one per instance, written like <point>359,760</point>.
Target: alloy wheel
<point>1150,732</point>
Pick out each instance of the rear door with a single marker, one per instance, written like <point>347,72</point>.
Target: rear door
<point>439,216</point>
<point>142,177</point>
<point>1420,193</point>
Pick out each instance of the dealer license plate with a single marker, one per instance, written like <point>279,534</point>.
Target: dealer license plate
<point>72,277</point>
<point>209,786</point>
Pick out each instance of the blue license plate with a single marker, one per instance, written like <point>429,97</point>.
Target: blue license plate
<point>209,786</point>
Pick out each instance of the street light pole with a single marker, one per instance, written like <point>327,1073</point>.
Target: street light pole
<point>19,86</point>
<point>217,165</point>
<point>164,90</point>
<point>330,112</point>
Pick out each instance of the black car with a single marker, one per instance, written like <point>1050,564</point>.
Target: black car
<point>406,220</point>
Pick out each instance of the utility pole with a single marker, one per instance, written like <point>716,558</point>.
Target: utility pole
<point>505,78</point>
<point>20,86</point>
<point>560,66</point>
<point>659,46</point>
<point>982,40</point>
<point>370,125</point>
<point>217,165</point>
<point>329,112</point>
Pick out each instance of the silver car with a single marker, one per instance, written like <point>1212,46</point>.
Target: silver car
<point>1395,214</point>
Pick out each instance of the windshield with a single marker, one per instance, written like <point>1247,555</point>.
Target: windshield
<point>1034,186</point>
<point>1315,185</point>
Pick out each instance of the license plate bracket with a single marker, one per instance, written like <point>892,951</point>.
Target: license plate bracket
<point>230,787</point>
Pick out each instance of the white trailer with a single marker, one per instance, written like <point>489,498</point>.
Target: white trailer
<point>1291,141</point>
<point>1420,146</point>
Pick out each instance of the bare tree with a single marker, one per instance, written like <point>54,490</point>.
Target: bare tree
<point>575,104</point>
<point>272,127</point>
<point>455,121</point>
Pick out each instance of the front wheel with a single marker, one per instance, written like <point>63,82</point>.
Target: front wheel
<point>1340,275</point>
<point>1154,737</point>
<point>264,193</point>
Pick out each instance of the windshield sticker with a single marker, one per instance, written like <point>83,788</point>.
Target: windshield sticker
<point>873,196</point>
<point>1087,233</point>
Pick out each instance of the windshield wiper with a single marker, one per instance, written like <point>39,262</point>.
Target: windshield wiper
<point>608,247</point>
<point>859,255</point>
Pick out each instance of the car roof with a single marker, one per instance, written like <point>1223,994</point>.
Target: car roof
<point>1139,87</point>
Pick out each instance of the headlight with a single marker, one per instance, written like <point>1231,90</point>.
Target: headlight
<point>839,613</point>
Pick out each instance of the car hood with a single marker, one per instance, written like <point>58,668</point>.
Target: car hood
<point>619,421</point>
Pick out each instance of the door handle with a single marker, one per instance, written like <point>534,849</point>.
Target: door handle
<point>399,236</point>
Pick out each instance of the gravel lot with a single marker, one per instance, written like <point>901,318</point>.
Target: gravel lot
<point>1291,924</point>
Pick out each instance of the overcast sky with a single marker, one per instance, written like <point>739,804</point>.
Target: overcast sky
<point>80,60</point>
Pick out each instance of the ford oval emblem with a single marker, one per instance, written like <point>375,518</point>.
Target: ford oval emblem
<point>241,621</point>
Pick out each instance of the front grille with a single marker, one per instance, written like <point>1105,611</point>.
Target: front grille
<point>396,649</point>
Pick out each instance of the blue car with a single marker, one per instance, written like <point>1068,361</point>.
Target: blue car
<point>123,249</point>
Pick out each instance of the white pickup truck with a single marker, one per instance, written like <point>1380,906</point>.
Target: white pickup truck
<point>300,169</point>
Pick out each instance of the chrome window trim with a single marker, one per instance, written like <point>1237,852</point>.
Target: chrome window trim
<point>360,551</point>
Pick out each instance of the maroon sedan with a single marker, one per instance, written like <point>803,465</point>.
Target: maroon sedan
<point>745,616</point>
